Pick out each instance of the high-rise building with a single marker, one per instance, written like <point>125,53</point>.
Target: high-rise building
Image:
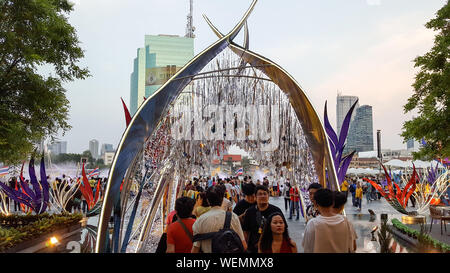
<point>106,148</point>
<point>93,148</point>
<point>160,58</point>
<point>57,147</point>
<point>360,135</point>
<point>343,104</point>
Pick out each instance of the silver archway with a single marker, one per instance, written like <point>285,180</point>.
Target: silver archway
<point>148,119</point>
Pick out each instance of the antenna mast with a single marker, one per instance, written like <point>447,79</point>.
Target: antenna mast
<point>190,21</point>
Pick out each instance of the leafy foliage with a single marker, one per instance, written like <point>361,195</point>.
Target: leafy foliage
<point>36,226</point>
<point>431,96</point>
<point>34,36</point>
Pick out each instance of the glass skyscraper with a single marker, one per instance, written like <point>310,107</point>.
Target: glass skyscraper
<point>58,147</point>
<point>93,148</point>
<point>160,58</point>
<point>343,104</point>
<point>360,135</point>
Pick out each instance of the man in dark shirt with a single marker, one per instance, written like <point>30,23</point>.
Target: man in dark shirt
<point>255,218</point>
<point>249,200</point>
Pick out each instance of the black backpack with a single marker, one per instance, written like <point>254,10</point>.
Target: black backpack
<point>225,240</point>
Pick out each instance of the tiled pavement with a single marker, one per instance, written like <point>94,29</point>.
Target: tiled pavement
<point>362,223</point>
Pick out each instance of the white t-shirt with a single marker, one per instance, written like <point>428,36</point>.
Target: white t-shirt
<point>226,204</point>
<point>229,187</point>
<point>329,235</point>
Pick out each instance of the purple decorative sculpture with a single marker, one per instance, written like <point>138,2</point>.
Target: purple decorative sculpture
<point>36,198</point>
<point>337,145</point>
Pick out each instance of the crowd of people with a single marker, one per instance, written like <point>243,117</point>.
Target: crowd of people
<point>233,216</point>
<point>359,188</point>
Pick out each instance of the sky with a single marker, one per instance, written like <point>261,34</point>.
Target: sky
<point>363,48</point>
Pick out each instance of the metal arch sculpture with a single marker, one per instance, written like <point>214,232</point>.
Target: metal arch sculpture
<point>306,114</point>
<point>149,114</point>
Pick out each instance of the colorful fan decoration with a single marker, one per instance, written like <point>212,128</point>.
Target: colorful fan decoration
<point>37,197</point>
<point>397,201</point>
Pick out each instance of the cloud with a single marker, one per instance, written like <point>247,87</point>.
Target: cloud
<point>381,76</point>
<point>373,2</point>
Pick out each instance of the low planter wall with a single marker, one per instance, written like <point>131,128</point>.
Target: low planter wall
<point>409,236</point>
<point>42,243</point>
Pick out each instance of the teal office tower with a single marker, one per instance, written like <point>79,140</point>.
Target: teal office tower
<point>160,58</point>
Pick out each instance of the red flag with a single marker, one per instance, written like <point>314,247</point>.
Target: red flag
<point>97,191</point>
<point>86,189</point>
<point>127,113</point>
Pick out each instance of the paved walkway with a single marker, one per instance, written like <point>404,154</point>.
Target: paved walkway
<point>361,221</point>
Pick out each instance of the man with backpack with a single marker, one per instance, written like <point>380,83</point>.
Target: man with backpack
<point>217,231</point>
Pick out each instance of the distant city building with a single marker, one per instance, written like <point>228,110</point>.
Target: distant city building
<point>106,148</point>
<point>57,147</point>
<point>93,148</point>
<point>41,146</point>
<point>360,135</point>
<point>108,158</point>
<point>343,104</point>
<point>160,58</point>
<point>412,145</point>
<point>369,159</point>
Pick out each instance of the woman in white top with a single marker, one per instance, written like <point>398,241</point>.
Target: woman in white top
<point>328,232</point>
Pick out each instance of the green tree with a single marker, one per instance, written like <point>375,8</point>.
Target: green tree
<point>35,34</point>
<point>431,96</point>
<point>91,161</point>
<point>246,164</point>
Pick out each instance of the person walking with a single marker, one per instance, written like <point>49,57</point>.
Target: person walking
<point>328,232</point>
<point>295,202</point>
<point>358,195</point>
<point>179,232</point>
<point>249,200</point>
<point>275,236</point>
<point>287,198</point>
<point>311,210</point>
<point>352,190</point>
<point>339,200</point>
<point>344,187</point>
<point>213,221</point>
<point>201,205</point>
<point>255,218</point>
<point>367,191</point>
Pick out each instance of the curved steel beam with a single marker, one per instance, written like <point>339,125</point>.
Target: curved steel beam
<point>309,119</point>
<point>143,125</point>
